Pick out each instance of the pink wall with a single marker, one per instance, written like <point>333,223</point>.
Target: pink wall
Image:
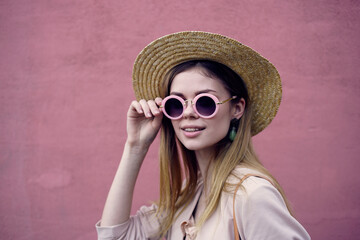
<point>65,86</point>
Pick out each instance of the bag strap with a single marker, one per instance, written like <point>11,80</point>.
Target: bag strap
<point>236,232</point>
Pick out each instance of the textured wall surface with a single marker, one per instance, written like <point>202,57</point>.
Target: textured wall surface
<point>65,86</point>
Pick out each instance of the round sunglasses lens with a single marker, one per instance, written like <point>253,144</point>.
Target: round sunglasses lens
<point>173,107</point>
<point>205,106</point>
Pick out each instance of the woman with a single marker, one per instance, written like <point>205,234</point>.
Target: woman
<point>208,94</point>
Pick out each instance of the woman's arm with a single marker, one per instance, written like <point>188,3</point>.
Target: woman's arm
<point>143,123</point>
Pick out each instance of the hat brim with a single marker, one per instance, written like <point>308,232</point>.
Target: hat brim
<point>260,76</point>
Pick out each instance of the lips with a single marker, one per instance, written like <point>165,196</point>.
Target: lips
<point>192,129</point>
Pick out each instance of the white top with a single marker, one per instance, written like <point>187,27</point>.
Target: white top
<point>261,213</point>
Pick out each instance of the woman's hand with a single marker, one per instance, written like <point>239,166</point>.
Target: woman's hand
<point>143,122</point>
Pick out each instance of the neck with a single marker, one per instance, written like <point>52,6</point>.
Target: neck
<point>204,159</point>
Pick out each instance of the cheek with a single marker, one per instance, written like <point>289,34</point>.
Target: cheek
<point>220,128</point>
<point>221,125</point>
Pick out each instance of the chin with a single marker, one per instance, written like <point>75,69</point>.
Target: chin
<point>196,145</point>
<point>201,142</point>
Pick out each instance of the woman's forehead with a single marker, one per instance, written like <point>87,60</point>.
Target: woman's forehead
<point>195,80</point>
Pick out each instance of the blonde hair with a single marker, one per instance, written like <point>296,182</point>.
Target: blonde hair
<point>178,165</point>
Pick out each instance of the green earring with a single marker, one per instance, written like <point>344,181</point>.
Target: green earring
<point>233,125</point>
<point>232,133</point>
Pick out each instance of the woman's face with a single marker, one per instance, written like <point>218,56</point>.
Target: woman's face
<point>194,132</point>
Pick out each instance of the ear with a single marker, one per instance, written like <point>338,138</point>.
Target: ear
<point>238,109</point>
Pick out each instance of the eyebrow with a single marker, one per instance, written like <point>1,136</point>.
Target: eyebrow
<point>196,93</point>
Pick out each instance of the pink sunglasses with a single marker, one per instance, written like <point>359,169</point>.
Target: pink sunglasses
<point>205,105</point>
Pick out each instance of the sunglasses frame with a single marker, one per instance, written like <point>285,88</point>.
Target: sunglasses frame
<point>193,104</point>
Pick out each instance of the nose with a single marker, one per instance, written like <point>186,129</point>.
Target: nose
<point>189,110</point>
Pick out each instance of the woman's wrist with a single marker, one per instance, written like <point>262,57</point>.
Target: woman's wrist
<point>136,148</point>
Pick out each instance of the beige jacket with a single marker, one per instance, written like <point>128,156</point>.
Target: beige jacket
<point>260,213</point>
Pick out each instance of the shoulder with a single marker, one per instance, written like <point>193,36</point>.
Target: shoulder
<point>255,189</point>
<point>249,180</point>
<point>259,195</point>
<point>259,203</point>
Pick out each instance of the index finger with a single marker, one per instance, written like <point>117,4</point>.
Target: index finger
<point>158,101</point>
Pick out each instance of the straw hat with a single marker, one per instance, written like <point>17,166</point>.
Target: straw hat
<point>260,76</point>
